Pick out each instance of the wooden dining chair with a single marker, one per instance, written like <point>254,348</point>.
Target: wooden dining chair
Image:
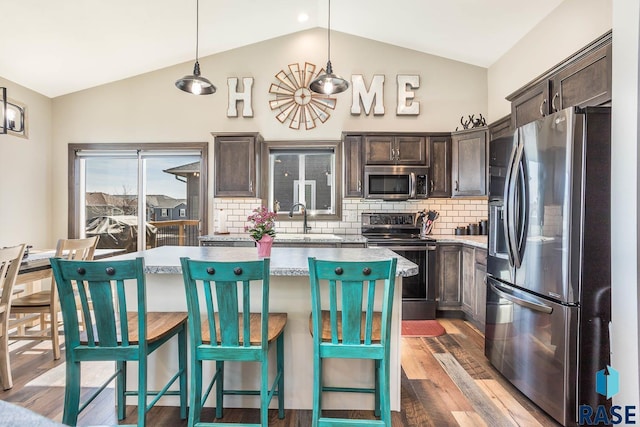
<point>345,325</point>
<point>228,328</point>
<point>9,265</point>
<point>44,304</point>
<point>115,333</point>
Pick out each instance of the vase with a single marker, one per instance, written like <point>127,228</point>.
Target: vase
<point>264,246</point>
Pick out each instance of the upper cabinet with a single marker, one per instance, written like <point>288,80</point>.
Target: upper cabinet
<point>469,162</point>
<point>387,149</point>
<point>237,165</point>
<point>440,166</point>
<point>352,151</point>
<point>500,128</point>
<point>584,79</point>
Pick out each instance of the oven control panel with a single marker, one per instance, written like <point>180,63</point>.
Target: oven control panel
<point>393,219</point>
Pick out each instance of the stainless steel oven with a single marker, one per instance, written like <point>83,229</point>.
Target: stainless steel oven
<point>398,233</point>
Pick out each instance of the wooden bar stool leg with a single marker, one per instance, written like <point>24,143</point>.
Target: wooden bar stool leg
<point>72,394</point>
<point>195,398</point>
<point>121,388</point>
<point>5,366</point>
<point>219,388</point>
<point>182,364</point>
<point>280,370</point>
<point>264,393</point>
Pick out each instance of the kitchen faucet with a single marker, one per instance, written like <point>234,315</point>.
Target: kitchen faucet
<point>305,228</point>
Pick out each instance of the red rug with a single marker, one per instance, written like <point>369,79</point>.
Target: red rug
<point>422,328</point>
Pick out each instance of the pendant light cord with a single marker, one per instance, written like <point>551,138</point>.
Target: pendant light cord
<point>329,33</point>
<point>197,26</point>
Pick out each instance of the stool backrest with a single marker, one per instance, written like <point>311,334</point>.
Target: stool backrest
<point>353,294</point>
<point>222,292</point>
<point>99,287</point>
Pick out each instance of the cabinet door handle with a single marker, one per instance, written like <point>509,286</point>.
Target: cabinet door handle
<point>359,186</point>
<point>250,185</point>
<point>553,101</point>
<point>456,186</point>
<point>432,185</point>
<point>544,101</point>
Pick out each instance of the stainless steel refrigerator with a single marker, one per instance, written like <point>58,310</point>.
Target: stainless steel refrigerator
<point>548,265</point>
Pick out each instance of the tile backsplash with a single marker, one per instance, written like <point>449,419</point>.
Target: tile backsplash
<point>453,213</point>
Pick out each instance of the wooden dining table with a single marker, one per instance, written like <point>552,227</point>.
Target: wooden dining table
<point>36,265</point>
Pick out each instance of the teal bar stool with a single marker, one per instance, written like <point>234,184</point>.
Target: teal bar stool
<point>218,330</point>
<point>344,325</point>
<point>97,290</point>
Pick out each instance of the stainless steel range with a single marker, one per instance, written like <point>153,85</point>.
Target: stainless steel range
<point>401,233</point>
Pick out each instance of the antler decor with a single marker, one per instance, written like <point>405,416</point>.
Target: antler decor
<point>472,122</point>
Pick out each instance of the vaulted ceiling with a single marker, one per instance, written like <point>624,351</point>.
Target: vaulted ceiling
<point>59,47</point>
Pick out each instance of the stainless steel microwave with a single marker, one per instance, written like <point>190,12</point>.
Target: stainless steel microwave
<point>396,182</point>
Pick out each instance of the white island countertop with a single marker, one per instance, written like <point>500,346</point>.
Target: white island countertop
<point>284,261</point>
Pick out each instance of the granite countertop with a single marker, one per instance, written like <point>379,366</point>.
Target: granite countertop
<point>471,240</point>
<point>288,238</point>
<point>284,261</point>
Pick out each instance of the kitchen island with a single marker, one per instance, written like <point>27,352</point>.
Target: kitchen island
<point>290,293</point>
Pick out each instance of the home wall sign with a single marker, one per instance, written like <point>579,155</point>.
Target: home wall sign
<point>363,98</point>
<point>294,102</point>
<point>296,105</point>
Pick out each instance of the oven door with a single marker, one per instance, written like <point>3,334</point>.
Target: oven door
<point>418,292</point>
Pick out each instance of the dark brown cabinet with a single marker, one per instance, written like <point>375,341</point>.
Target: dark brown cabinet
<point>469,162</point>
<point>474,284</point>
<point>352,152</point>
<point>530,105</point>
<point>583,79</point>
<point>468,282</point>
<point>448,259</point>
<point>387,149</point>
<point>237,165</point>
<point>500,128</point>
<point>440,166</point>
<point>583,83</point>
<point>480,279</point>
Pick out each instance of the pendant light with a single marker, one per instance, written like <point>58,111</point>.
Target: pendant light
<point>195,83</point>
<point>329,83</point>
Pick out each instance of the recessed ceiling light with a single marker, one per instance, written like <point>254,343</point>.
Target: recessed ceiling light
<point>303,17</point>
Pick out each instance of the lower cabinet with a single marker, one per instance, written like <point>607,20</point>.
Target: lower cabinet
<point>461,276</point>
<point>448,258</point>
<point>474,285</point>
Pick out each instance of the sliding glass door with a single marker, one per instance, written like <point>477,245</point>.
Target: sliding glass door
<point>118,190</point>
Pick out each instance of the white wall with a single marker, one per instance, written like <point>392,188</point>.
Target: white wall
<point>624,198</point>
<point>25,173</point>
<point>571,26</point>
<point>149,108</point>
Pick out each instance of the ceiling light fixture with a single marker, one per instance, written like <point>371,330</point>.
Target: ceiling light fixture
<point>195,83</point>
<point>329,83</point>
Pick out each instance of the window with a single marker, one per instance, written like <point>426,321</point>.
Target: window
<point>304,173</point>
<point>118,189</point>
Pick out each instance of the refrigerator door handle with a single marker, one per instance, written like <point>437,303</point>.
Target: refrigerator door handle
<point>508,209</point>
<point>503,293</point>
<point>511,199</point>
<point>522,199</point>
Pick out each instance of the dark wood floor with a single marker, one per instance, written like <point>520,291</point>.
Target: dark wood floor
<point>446,381</point>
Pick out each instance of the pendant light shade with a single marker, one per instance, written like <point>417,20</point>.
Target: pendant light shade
<point>329,83</point>
<point>195,83</point>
